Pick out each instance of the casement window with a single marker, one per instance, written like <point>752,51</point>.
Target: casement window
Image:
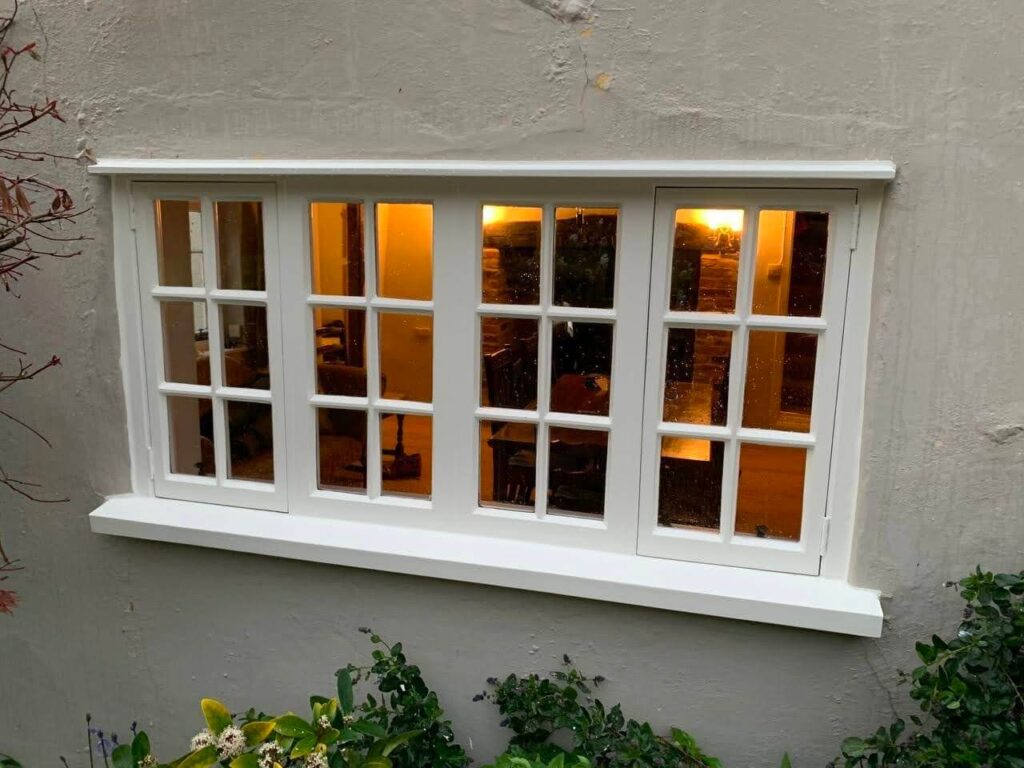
<point>641,368</point>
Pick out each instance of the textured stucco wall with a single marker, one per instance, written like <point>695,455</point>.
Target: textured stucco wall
<point>128,629</point>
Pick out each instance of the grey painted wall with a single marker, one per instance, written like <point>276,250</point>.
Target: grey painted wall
<point>127,629</point>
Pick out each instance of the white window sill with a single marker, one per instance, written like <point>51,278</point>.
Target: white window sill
<point>773,598</point>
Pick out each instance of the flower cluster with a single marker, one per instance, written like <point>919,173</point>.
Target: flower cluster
<point>202,739</point>
<point>268,754</point>
<point>230,743</point>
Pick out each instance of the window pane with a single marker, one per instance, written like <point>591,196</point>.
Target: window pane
<point>780,380</point>
<point>508,464</point>
<point>508,373</point>
<point>179,242</point>
<point>697,376</point>
<point>790,275</point>
<point>186,342</point>
<point>190,426</point>
<point>244,329</point>
<point>405,235</point>
<point>337,242</point>
<point>406,450</point>
<point>770,496</point>
<point>511,254</point>
<point>705,260</point>
<point>576,471</point>
<point>339,335</point>
<point>239,228</point>
<point>251,435</point>
<point>585,240</point>
<point>690,483</point>
<point>581,367</point>
<point>406,356</point>
<point>341,449</point>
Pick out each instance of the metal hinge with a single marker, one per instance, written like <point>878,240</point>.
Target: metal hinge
<point>825,528</point>
<point>856,226</point>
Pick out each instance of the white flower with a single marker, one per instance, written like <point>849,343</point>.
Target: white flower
<point>324,722</point>
<point>202,739</point>
<point>269,753</point>
<point>148,762</point>
<point>316,760</point>
<point>230,743</point>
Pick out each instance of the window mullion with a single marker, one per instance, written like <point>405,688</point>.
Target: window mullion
<point>547,263</point>
<point>373,444</point>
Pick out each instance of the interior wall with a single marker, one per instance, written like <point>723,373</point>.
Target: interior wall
<point>132,630</point>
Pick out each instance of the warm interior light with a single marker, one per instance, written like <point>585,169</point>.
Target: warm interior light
<point>717,218</point>
<point>492,213</point>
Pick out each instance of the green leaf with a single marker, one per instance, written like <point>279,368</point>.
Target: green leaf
<point>346,694</point>
<point>370,729</point>
<point>853,747</point>
<point>217,716</point>
<point>396,741</point>
<point>785,761</point>
<point>293,725</point>
<point>248,760</point>
<point>376,762</point>
<point>122,757</point>
<point>200,758</point>
<point>304,747</point>
<point>257,732</point>
<point>6,761</point>
<point>140,747</point>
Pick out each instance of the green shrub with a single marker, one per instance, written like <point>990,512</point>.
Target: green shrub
<point>969,688</point>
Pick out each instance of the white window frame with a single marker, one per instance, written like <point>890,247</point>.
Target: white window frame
<point>606,559</point>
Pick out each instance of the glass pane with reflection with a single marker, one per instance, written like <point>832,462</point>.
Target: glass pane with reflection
<point>406,356</point>
<point>341,450</point>
<point>690,483</point>
<point>339,336</point>
<point>789,276</point>
<point>780,380</point>
<point>405,250</point>
<point>336,231</point>
<point>179,242</point>
<point>581,367</point>
<point>585,245</point>
<point>406,448</point>
<point>251,436</point>
<point>697,376</point>
<point>770,496</point>
<point>244,331</point>
<point>705,259</point>
<point>239,227</point>
<point>190,427</point>
<point>577,463</point>
<point>186,342</point>
<point>508,375</point>
<point>510,260</point>
<point>508,464</point>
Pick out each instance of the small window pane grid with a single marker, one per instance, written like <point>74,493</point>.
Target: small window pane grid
<point>742,371</point>
<point>738,394</point>
<point>204,266</point>
<point>372,324</point>
<point>545,326</point>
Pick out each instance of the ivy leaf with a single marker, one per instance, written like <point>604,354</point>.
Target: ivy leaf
<point>217,716</point>
<point>853,747</point>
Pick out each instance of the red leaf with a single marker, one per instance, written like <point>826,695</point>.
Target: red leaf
<point>8,601</point>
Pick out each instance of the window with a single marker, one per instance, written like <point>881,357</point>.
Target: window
<point>618,366</point>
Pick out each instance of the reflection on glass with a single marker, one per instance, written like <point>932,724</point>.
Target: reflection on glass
<point>690,483</point>
<point>780,380</point>
<point>251,436</point>
<point>577,463</point>
<point>244,331</point>
<point>341,450</point>
<point>511,254</point>
<point>508,375</point>
<point>239,227</point>
<point>406,449</point>
<point>770,497</point>
<point>789,277</point>
<point>179,242</point>
<point>705,260</point>
<point>336,231</point>
<point>581,367</point>
<point>697,376</point>
<point>585,240</point>
<point>186,342</point>
<point>508,464</point>
<point>406,356</point>
<point>405,245</point>
<point>339,335</point>
<point>190,427</point>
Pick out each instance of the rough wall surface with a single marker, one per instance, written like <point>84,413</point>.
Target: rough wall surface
<point>132,630</point>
